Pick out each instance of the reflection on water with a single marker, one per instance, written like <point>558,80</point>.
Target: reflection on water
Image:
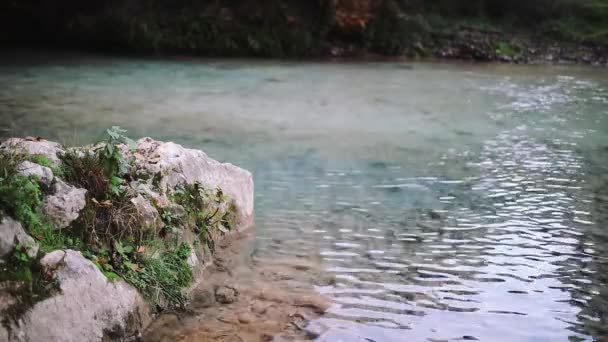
<point>451,202</point>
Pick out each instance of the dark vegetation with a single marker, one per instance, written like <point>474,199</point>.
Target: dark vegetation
<point>109,231</point>
<point>284,28</point>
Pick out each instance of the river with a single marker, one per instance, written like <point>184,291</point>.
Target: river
<point>449,201</point>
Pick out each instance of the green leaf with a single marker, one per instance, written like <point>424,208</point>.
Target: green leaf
<point>122,249</point>
<point>116,180</point>
<point>131,144</point>
<point>112,277</point>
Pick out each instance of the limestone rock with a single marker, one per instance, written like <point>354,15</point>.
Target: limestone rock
<point>63,206</point>
<point>11,234</point>
<point>34,146</point>
<point>159,199</point>
<point>149,214</point>
<point>178,165</point>
<point>43,173</point>
<point>52,260</point>
<point>89,308</point>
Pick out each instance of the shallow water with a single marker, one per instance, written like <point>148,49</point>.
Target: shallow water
<point>450,201</point>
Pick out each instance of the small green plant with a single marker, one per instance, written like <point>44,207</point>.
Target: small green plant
<point>20,254</point>
<point>86,170</point>
<point>168,217</point>
<point>20,196</point>
<point>114,161</point>
<point>164,278</point>
<point>161,274</point>
<point>507,49</point>
<point>115,183</point>
<point>43,160</point>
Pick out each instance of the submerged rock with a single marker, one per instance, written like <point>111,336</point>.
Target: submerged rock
<point>226,294</point>
<point>63,206</point>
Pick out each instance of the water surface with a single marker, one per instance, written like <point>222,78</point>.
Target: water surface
<point>450,201</point>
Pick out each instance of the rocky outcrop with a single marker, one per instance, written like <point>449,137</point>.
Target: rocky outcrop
<point>63,206</point>
<point>89,308</point>
<point>176,165</point>
<point>34,146</point>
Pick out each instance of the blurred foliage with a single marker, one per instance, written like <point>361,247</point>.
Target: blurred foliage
<point>283,28</point>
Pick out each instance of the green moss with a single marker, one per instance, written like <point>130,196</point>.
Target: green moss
<point>44,161</point>
<point>20,196</point>
<point>26,282</point>
<point>507,49</point>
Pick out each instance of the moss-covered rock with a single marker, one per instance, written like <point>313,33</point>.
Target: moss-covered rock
<point>125,229</point>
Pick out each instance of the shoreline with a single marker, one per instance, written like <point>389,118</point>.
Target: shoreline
<point>15,54</point>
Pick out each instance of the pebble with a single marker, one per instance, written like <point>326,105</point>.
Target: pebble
<point>226,294</point>
<point>246,317</point>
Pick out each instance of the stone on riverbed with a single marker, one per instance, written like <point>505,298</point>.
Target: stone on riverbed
<point>226,294</point>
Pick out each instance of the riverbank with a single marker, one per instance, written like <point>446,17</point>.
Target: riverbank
<point>484,30</point>
<point>248,298</point>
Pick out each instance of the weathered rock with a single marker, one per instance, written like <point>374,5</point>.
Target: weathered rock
<point>149,214</point>
<point>44,174</point>
<point>159,199</point>
<point>63,206</point>
<point>11,234</point>
<point>33,146</point>
<point>52,260</point>
<point>178,165</point>
<point>89,308</point>
<point>226,294</point>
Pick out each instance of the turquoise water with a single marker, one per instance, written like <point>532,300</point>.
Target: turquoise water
<point>450,201</point>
